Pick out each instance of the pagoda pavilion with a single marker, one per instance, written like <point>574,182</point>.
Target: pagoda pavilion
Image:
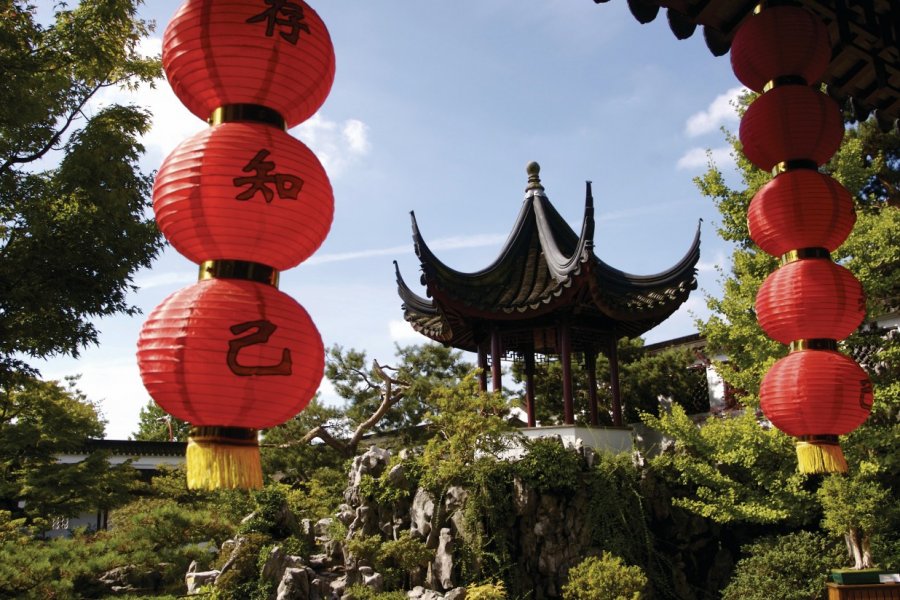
<point>548,295</point>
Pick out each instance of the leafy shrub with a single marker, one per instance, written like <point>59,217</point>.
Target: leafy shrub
<point>361,592</point>
<point>241,581</point>
<point>787,567</point>
<point>364,548</point>
<point>604,578</point>
<point>398,557</point>
<point>486,591</point>
<point>549,466</point>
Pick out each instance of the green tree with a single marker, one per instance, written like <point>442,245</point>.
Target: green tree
<point>286,452</point>
<point>469,425</point>
<point>422,367</point>
<point>156,425</point>
<point>38,421</point>
<point>71,236</point>
<point>733,470</point>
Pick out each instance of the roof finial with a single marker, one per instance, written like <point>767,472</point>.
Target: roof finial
<point>534,177</point>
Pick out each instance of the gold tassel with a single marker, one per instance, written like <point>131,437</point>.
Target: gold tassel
<point>223,458</point>
<point>820,454</point>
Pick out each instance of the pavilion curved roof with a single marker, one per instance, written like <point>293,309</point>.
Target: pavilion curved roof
<point>544,270</point>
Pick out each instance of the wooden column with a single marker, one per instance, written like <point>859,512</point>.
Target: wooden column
<point>529,387</point>
<point>496,383</point>
<point>482,364</point>
<point>614,381</point>
<point>590,364</point>
<point>565,357</point>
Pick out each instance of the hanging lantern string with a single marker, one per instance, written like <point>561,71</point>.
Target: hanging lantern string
<point>239,269</point>
<point>252,113</point>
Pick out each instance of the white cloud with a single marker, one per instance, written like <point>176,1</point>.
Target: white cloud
<point>711,266</point>
<point>720,111</point>
<point>356,134</point>
<point>698,158</point>
<point>165,279</point>
<point>337,145</point>
<point>447,243</point>
<point>401,331</point>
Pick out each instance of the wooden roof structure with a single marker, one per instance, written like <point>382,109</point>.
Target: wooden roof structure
<point>547,293</point>
<point>544,270</point>
<point>864,73</point>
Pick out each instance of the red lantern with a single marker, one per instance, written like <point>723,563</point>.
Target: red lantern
<point>790,123</point>
<point>244,191</point>
<point>816,395</point>
<point>277,55</point>
<point>780,41</point>
<point>801,208</point>
<point>230,353</point>
<point>810,298</point>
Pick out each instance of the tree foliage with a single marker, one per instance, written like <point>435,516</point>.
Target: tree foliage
<point>789,567</point>
<point>734,470</point>
<point>71,236</point>
<point>38,421</point>
<point>156,425</point>
<point>423,367</point>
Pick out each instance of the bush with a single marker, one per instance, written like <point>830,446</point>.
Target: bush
<point>549,466</point>
<point>361,592</point>
<point>486,591</point>
<point>604,578</point>
<point>242,579</point>
<point>787,567</point>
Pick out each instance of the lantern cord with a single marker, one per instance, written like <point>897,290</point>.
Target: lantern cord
<point>218,460</point>
<point>820,456</point>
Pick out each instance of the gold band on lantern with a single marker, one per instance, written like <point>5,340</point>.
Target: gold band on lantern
<point>238,269</point>
<point>253,113</point>
<point>801,253</point>
<point>784,80</point>
<point>814,344</point>
<point>793,165</point>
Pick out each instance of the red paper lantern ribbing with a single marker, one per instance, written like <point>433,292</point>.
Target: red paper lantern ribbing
<point>778,42</point>
<point>816,392</point>
<point>230,353</point>
<point>801,208</point>
<point>810,298</point>
<point>244,191</point>
<point>791,122</point>
<point>273,54</point>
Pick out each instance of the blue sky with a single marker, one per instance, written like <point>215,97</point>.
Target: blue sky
<point>437,108</point>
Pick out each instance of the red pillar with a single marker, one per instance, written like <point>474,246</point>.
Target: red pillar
<point>590,363</point>
<point>614,382</point>
<point>482,364</point>
<point>565,356</point>
<point>496,383</point>
<point>529,387</point>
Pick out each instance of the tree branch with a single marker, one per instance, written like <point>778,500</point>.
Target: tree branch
<point>391,393</point>
<point>56,136</point>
